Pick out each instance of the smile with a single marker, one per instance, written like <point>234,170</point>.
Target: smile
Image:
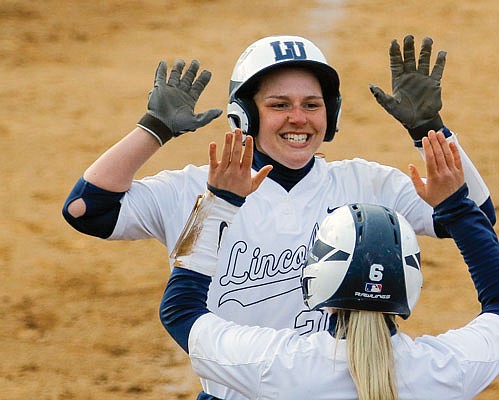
<point>295,138</point>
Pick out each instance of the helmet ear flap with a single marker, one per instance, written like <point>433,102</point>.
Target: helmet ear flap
<point>243,114</point>
<point>333,118</point>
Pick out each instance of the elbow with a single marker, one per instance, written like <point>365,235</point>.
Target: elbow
<point>92,210</point>
<point>101,226</point>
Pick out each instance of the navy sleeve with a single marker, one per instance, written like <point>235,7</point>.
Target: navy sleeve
<point>488,209</point>
<point>475,237</point>
<point>102,209</point>
<point>184,301</point>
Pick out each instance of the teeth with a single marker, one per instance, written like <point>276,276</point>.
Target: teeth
<point>297,138</point>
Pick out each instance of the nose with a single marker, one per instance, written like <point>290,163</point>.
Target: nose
<point>297,116</point>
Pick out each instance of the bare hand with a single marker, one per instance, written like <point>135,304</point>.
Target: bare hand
<point>443,168</point>
<point>233,171</point>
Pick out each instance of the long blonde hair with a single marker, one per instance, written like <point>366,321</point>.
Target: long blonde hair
<point>370,353</point>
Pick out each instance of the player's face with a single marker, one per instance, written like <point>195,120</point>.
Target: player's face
<point>292,116</point>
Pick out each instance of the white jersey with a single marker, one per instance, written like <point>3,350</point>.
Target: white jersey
<point>260,259</point>
<point>270,364</point>
<point>261,256</point>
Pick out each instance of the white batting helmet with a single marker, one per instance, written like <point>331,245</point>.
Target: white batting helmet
<point>269,53</point>
<point>366,257</point>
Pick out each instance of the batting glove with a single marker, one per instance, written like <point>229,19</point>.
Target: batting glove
<point>417,95</point>
<point>170,110</point>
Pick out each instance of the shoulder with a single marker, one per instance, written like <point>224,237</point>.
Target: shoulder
<point>476,341</point>
<point>355,163</point>
<point>360,168</point>
<point>189,175</point>
<point>190,171</point>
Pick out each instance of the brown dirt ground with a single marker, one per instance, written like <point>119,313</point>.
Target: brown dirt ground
<point>79,315</point>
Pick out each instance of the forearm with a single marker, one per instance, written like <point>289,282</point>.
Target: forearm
<point>184,300</point>
<point>477,242</point>
<point>115,169</point>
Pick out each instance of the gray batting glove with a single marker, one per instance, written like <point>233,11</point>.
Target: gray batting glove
<point>417,95</point>
<point>170,110</point>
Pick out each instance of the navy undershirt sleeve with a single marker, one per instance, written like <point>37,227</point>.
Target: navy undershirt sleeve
<point>475,237</point>
<point>184,301</point>
<point>488,209</point>
<point>102,209</point>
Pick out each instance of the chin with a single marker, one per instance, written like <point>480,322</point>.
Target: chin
<point>296,164</point>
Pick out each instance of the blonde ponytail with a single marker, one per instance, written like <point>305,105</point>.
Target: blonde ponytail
<point>370,353</point>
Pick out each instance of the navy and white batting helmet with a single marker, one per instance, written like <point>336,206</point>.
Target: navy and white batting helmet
<point>273,52</point>
<point>366,257</point>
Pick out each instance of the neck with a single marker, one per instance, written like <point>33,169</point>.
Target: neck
<point>284,176</point>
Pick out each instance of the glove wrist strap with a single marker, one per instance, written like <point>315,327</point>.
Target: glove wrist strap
<point>156,128</point>
<point>421,131</point>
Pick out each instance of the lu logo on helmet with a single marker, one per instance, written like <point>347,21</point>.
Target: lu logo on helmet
<point>290,51</point>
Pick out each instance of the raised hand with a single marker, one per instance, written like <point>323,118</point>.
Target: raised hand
<point>417,95</point>
<point>233,171</point>
<point>170,110</point>
<point>443,169</point>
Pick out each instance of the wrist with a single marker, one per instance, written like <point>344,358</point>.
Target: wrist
<point>419,132</point>
<point>446,131</point>
<point>229,197</point>
<point>156,128</point>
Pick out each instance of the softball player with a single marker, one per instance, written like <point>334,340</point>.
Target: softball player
<point>364,268</point>
<point>285,95</point>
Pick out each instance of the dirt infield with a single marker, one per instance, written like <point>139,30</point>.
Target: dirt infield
<point>79,316</point>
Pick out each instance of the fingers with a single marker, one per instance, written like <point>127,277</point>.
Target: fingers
<point>429,155</point>
<point>440,154</point>
<point>233,171</point>
<point>205,118</point>
<point>424,56</point>
<point>438,69</point>
<point>213,156</point>
<point>178,67</point>
<point>434,146</point>
<point>260,176</point>
<point>226,151</point>
<point>237,147</point>
<point>409,54</point>
<point>396,62</point>
<point>456,156</point>
<point>381,97</point>
<point>247,159</point>
<point>443,166</point>
<point>448,157</point>
<point>232,151</point>
<point>247,162</point>
<point>160,75</point>
<point>190,74</point>
<point>200,83</point>
<point>418,183</point>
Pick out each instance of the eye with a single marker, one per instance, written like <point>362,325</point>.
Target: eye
<point>280,106</point>
<point>313,105</point>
